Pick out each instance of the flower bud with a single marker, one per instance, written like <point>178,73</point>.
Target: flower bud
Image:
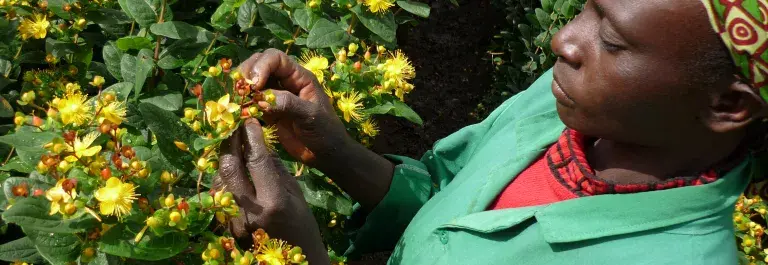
<point>49,58</point>
<point>352,48</point>
<point>19,120</point>
<point>190,113</point>
<point>214,253</point>
<point>98,81</point>
<point>214,71</point>
<point>169,201</point>
<point>153,222</point>
<point>105,127</point>
<point>28,97</point>
<point>196,126</point>
<point>89,252</point>
<point>166,177</point>
<point>367,56</point>
<point>181,145</point>
<point>41,167</point>
<point>342,56</point>
<point>202,164</point>
<point>381,49</point>
<point>313,4</point>
<point>143,173</point>
<point>136,165</point>
<point>81,23</point>
<point>70,208</point>
<point>64,166</point>
<point>67,7</point>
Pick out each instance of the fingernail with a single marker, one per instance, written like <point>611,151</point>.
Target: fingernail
<point>263,105</point>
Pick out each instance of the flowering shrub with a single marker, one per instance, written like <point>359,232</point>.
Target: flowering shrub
<point>119,107</point>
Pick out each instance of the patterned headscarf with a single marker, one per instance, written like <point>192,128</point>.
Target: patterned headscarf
<point>743,26</point>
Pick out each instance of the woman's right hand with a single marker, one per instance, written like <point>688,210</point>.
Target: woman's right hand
<point>307,124</point>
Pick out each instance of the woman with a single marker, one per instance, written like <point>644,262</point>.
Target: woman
<point>632,150</point>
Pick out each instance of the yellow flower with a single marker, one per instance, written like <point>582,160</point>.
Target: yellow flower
<point>403,89</point>
<point>221,110</point>
<point>270,136</point>
<point>314,63</point>
<point>59,197</point>
<point>379,6</point>
<point>113,112</point>
<point>271,252</point>
<point>116,197</point>
<point>398,68</point>
<point>72,108</point>
<point>369,128</point>
<point>36,27</point>
<point>350,106</point>
<point>82,147</point>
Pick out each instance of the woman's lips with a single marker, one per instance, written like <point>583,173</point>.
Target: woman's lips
<point>560,95</point>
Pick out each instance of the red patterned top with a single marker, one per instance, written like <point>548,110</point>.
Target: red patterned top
<point>563,173</point>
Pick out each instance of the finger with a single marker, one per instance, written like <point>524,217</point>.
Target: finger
<point>267,172</point>
<point>232,175</point>
<point>292,145</point>
<point>287,105</point>
<point>275,63</point>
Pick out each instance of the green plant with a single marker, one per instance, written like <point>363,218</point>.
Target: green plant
<point>113,111</point>
<point>521,51</point>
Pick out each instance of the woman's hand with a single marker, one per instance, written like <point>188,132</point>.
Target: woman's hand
<point>273,201</point>
<point>309,129</point>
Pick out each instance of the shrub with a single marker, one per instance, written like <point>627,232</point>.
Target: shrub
<point>118,109</point>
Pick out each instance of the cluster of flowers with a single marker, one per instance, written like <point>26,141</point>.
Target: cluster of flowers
<point>750,212</point>
<point>266,250</point>
<point>390,72</point>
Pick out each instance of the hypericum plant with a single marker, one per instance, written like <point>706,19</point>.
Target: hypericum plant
<point>114,112</point>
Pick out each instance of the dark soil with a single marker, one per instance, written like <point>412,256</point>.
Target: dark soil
<point>452,77</point>
<point>448,51</point>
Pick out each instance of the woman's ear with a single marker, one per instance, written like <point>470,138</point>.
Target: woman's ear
<point>735,108</point>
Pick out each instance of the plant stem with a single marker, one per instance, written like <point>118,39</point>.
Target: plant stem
<point>17,54</point>
<point>352,24</point>
<point>9,156</point>
<point>199,179</point>
<point>133,24</point>
<point>296,33</point>
<point>205,54</point>
<point>160,38</point>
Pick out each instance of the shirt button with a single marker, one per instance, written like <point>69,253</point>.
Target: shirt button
<point>443,237</point>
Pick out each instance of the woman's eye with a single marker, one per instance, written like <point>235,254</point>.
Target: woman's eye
<point>610,47</point>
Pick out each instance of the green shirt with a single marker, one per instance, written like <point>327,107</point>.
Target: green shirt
<point>435,210</point>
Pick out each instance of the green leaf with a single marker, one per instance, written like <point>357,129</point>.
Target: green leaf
<point>119,241</point>
<point>112,57</point>
<point>108,16</point>
<point>133,43</point>
<point>543,18</point>
<point>319,193</point>
<point>122,90</point>
<point>22,249</point>
<point>176,30</point>
<point>29,145</point>
<point>382,25</point>
<point>32,214</point>
<point>295,4</point>
<point>128,67</point>
<point>212,89</point>
<point>57,7</point>
<point>145,12</point>
<point>179,53</point>
<point>326,34</point>
<point>547,5</point>
<point>277,21</point>
<point>55,248</point>
<point>167,100</point>
<point>403,110</point>
<point>247,14</point>
<point>305,18</point>
<point>144,66</point>
<point>224,17</point>
<point>168,128</point>
<point>6,111</point>
<point>32,57</point>
<point>397,108</point>
<point>416,8</point>
<point>15,164</point>
<point>59,48</point>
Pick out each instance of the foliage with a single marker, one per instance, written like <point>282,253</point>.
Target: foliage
<point>113,111</point>
<point>521,51</point>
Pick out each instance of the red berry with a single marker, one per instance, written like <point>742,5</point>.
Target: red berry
<point>183,206</point>
<point>38,192</point>
<point>358,66</point>
<point>106,173</point>
<point>21,190</point>
<point>37,121</point>
<point>69,136</point>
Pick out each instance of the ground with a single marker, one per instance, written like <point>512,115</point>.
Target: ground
<point>452,74</point>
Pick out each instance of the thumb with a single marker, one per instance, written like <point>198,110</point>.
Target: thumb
<point>268,173</point>
<point>287,105</point>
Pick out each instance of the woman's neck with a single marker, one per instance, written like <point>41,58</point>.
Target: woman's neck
<point>629,163</point>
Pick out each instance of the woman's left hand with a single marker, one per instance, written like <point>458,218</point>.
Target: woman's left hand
<point>274,201</point>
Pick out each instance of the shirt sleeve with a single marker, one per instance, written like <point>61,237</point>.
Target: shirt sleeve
<point>414,182</point>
